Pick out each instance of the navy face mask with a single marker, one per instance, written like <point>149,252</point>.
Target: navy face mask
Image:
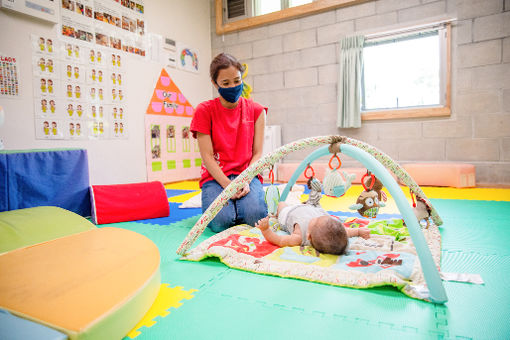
<point>231,94</point>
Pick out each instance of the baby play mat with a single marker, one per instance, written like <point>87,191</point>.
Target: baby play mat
<point>96,284</point>
<point>387,258</point>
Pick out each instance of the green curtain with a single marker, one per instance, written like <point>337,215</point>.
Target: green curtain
<point>349,82</point>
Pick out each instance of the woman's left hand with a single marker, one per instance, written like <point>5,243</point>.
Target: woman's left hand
<point>242,192</point>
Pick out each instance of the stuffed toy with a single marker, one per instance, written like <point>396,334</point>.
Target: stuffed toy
<point>422,210</point>
<point>315,192</point>
<point>336,184</point>
<point>371,199</point>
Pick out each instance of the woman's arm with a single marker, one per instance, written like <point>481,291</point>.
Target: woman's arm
<point>258,137</point>
<point>207,154</point>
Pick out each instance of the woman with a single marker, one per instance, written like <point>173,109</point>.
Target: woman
<point>230,134</point>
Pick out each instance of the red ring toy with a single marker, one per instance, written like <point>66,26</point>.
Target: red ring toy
<point>363,181</point>
<point>338,159</point>
<point>271,175</point>
<point>412,197</point>
<point>313,172</point>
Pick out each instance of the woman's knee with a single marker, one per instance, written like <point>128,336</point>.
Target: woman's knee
<point>223,220</point>
<point>253,208</point>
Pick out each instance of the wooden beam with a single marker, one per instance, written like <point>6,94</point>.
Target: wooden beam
<point>406,113</point>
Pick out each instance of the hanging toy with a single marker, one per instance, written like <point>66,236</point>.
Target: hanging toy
<point>337,183</point>
<point>315,188</point>
<point>246,87</point>
<point>421,209</point>
<point>368,202</point>
<point>272,196</point>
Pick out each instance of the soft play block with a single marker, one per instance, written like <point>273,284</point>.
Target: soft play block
<point>459,175</point>
<point>25,227</point>
<point>286,170</point>
<point>92,285</point>
<point>56,177</point>
<point>128,202</point>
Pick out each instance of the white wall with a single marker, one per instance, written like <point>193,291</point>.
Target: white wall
<point>110,161</point>
<point>293,68</point>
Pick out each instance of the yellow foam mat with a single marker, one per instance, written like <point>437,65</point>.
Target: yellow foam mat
<point>167,297</point>
<point>184,185</point>
<point>482,194</point>
<point>183,198</point>
<point>343,203</point>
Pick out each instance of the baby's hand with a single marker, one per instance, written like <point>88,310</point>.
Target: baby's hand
<point>263,224</point>
<point>364,232</point>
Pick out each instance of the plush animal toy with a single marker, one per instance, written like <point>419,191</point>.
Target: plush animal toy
<point>272,198</point>
<point>336,184</point>
<point>370,200</point>
<point>315,192</point>
<point>422,210</point>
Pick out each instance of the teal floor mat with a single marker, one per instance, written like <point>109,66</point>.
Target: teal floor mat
<point>233,304</point>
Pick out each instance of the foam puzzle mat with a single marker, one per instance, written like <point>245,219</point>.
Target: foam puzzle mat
<point>209,300</point>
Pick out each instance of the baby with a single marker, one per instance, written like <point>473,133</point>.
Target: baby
<point>310,225</point>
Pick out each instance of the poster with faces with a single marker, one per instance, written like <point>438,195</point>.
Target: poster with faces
<point>48,107</point>
<point>73,72</point>
<point>96,76</point>
<point>44,45</point>
<point>73,91</point>
<point>98,129</point>
<point>118,130</point>
<point>45,87</point>
<point>97,111</point>
<point>75,129</point>
<point>49,128</point>
<point>72,52</point>
<point>96,57</point>
<point>45,66</point>
<point>97,94</point>
<point>75,109</point>
<point>115,61</point>
<point>117,113</point>
<point>116,78</point>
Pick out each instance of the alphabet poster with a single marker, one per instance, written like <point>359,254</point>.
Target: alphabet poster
<point>172,154</point>
<point>9,85</point>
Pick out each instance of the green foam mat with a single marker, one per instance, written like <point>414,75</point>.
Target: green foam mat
<point>234,304</point>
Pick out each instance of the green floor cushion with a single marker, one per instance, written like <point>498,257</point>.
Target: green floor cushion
<point>25,227</point>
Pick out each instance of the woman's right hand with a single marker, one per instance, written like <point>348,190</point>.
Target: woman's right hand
<point>241,192</point>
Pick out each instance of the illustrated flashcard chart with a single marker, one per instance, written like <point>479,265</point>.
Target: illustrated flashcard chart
<point>171,152</point>
<point>9,77</point>
<point>77,88</point>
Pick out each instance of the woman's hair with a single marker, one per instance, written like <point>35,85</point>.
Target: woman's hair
<point>330,237</point>
<point>221,62</point>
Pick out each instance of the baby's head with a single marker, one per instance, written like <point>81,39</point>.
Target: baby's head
<point>328,236</point>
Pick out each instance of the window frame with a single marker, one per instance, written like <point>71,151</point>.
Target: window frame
<point>442,110</point>
<point>317,6</point>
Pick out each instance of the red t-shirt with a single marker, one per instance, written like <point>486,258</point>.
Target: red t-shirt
<point>231,131</point>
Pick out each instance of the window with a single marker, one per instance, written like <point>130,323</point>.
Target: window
<point>236,15</point>
<point>268,6</point>
<point>406,75</point>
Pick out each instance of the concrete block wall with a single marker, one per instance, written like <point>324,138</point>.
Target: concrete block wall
<point>293,68</point>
